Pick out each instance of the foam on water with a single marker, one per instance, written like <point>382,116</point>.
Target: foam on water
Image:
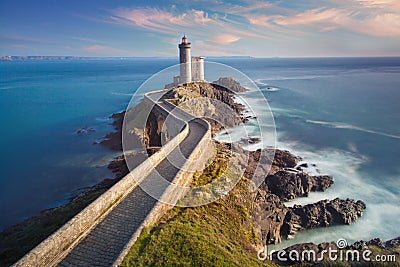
<point>342,125</point>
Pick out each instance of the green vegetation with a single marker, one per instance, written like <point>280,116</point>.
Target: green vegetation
<point>217,234</point>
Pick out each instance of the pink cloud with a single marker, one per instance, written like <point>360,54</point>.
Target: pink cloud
<point>374,23</point>
<point>160,20</point>
<point>193,22</point>
<point>381,4</point>
<point>225,39</point>
<point>311,17</point>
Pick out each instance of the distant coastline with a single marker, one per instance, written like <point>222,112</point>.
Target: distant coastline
<point>36,58</point>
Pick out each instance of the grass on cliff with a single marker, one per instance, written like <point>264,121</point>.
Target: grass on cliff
<point>216,234</point>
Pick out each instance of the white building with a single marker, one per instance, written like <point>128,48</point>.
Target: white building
<point>191,68</point>
<point>197,69</point>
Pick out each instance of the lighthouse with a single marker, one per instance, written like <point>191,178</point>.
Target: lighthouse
<point>191,68</point>
<point>185,61</point>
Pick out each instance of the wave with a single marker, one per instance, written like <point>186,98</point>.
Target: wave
<point>123,94</point>
<point>270,89</point>
<point>341,125</point>
<point>104,119</point>
<point>299,77</point>
<point>264,86</point>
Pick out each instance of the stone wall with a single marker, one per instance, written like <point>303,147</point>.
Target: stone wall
<point>57,246</point>
<point>196,162</point>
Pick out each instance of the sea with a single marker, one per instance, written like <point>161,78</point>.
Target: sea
<point>341,114</point>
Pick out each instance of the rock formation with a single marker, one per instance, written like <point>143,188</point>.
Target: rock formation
<point>321,214</point>
<point>231,84</point>
<point>288,185</point>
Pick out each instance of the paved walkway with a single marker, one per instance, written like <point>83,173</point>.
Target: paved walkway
<point>103,245</point>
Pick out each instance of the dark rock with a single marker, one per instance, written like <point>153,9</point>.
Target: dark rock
<point>289,185</point>
<point>393,243</point>
<point>118,167</point>
<point>85,130</point>
<point>321,214</point>
<point>321,183</point>
<point>376,242</point>
<point>304,165</point>
<point>249,140</point>
<point>268,215</point>
<point>114,140</point>
<point>284,159</point>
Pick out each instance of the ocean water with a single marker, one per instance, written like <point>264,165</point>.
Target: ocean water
<point>42,105</point>
<point>343,115</point>
<point>340,113</point>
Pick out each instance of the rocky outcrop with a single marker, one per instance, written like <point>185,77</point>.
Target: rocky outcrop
<point>273,161</point>
<point>249,140</point>
<point>321,214</point>
<point>210,101</point>
<point>268,216</point>
<point>113,140</point>
<point>275,221</point>
<point>377,242</point>
<point>285,159</point>
<point>288,185</point>
<point>118,167</point>
<point>272,219</point>
<point>231,84</point>
<point>85,130</point>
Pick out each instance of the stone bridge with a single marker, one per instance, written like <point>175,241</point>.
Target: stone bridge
<point>103,233</point>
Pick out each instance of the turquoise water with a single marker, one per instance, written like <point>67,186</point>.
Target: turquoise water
<point>42,105</point>
<point>340,113</point>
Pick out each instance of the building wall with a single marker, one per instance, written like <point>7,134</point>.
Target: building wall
<point>185,59</point>
<point>197,69</point>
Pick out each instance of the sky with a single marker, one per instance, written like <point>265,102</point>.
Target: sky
<point>276,28</point>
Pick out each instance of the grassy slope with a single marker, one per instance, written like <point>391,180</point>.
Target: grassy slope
<point>217,234</point>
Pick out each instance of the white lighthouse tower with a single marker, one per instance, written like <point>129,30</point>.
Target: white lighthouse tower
<point>185,61</point>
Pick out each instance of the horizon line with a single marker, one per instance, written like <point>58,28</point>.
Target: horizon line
<point>66,57</point>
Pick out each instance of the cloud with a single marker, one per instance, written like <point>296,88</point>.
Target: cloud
<point>195,22</point>
<point>248,7</point>
<point>225,39</point>
<point>381,4</point>
<point>159,20</point>
<point>379,25</point>
<point>323,19</point>
<point>102,50</point>
<point>311,17</point>
<point>255,21</point>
